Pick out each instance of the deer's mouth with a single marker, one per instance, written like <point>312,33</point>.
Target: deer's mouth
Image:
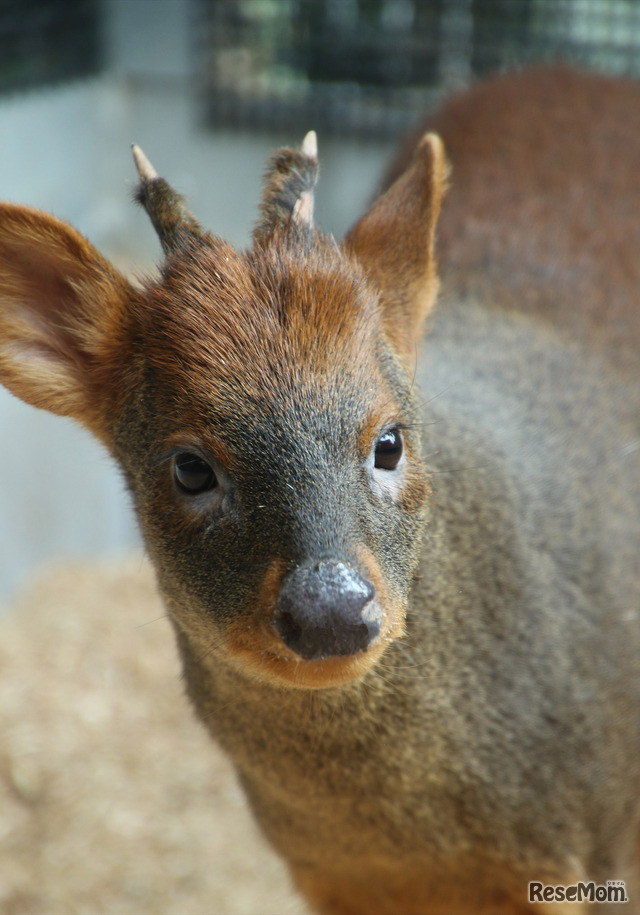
<point>280,667</point>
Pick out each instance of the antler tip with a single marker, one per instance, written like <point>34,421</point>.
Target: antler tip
<point>310,145</point>
<point>145,169</point>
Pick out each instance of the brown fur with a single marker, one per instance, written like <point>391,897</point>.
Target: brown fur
<point>487,732</point>
<point>550,225</point>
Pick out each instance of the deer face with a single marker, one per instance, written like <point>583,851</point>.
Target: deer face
<point>260,405</point>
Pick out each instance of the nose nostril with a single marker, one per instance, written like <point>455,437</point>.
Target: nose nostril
<point>289,630</point>
<point>327,610</point>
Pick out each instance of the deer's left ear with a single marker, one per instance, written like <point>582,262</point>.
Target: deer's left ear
<point>394,243</point>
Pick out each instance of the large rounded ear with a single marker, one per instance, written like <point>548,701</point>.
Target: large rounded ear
<point>63,318</point>
<point>394,243</point>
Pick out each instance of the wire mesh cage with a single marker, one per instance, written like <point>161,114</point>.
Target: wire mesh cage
<point>43,42</point>
<point>368,67</point>
<point>363,67</point>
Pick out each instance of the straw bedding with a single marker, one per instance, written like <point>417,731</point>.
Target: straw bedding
<point>112,798</point>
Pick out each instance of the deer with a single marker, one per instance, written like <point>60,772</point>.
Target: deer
<point>403,578</point>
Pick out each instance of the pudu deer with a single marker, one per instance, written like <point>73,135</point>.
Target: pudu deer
<point>405,589</point>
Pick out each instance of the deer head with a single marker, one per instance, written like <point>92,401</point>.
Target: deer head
<point>260,404</point>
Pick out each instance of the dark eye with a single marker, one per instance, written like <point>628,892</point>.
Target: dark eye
<point>389,449</point>
<point>193,475</point>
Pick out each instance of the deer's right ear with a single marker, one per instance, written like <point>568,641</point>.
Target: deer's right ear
<point>394,243</point>
<point>63,318</point>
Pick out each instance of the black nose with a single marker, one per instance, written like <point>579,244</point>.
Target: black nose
<point>326,610</point>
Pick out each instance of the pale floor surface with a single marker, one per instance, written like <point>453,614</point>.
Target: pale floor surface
<point>112,798</point>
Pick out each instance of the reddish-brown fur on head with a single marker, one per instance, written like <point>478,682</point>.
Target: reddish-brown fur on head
<point>280,368</point>
<point>275,364</point>
<point>264,351</point>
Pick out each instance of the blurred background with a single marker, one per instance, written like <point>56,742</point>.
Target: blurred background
<point>208,88</point>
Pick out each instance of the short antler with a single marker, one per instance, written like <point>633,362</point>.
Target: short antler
<point>287,198</point>
<point>171,219</point>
